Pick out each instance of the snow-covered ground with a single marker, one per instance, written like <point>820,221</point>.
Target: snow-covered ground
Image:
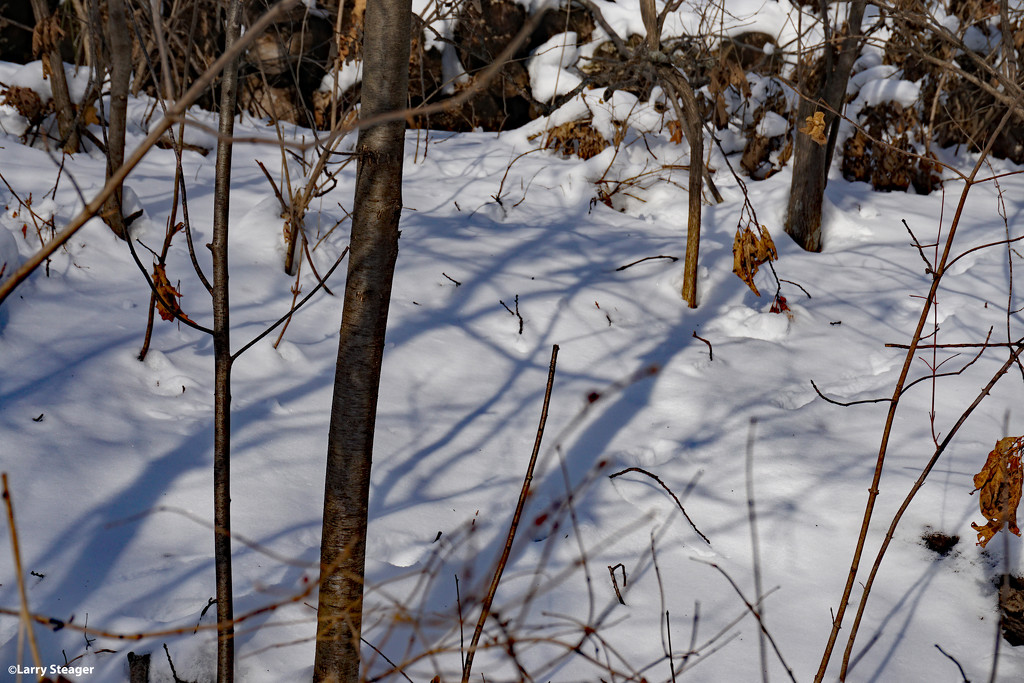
<point>109,458</point>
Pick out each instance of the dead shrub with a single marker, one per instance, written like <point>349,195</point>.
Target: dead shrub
<point>747,51</point>
<point>891,163</point>
<point>757,153</point>
<point>957,109</point>
<point>28,103</point>
<point>576,138</point>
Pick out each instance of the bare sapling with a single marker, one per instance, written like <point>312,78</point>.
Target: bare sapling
<point>223,360</point>
<point>380,152</point>
<point>119,52</point>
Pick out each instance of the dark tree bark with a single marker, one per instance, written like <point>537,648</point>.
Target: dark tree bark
<point>811,160</point>
<point>66,122</point>
<point>374,249</point>
<point>222,360</point>
<point>695,135</point>
<point>120,54</point>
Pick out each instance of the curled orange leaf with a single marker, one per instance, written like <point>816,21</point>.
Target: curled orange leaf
<point>816,127</point>
<point>167,301</point>
<point>999,482</point>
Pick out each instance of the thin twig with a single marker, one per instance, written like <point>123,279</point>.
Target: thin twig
<point>711,351</point>
<point>615,583</point>
<point>462,638</point>
<point>928,268</point>
<point>24,613</point>
<point>984,345</point>
<point>848,403</point>
<point>753,609</point>
<point>953,659</point>
<point>646,258</point>
<point>387,659</point>
<point>312,266</point>
<point>291,310</point>
<point>755,546</point>
<point>800,287</point>
<point>296,290</point>
<point>485,608</point>
<point>664,486</point>
<point>668,629</point>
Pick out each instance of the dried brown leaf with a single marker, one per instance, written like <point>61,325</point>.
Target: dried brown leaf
<point>675,130</point>
<point>90,116</point>
<point>167,301</point>
<point>816,127</point>
<point>27,102</point>
<point>999,482</point>
<point>750,252</point>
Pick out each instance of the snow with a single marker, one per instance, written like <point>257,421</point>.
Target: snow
<point>31,76</point>
<point>878,91</point>
<point>772,125</point>
<point>547,67</point>
<point>109,458</point>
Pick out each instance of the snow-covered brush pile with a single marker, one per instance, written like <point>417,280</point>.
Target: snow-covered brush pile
<point>924,79</point>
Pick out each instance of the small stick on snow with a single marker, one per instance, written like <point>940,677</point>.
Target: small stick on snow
<point>664,486</point>
<point>646,258</point>
<point>711,351</point>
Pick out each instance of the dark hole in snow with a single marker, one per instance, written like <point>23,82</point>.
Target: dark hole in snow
<point>938,542</point>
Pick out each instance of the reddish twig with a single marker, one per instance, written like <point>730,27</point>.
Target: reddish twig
<point>485,609</point>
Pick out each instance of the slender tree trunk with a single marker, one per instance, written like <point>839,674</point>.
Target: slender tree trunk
<point>696,139</point>
<point>811,161</point>
<point>222,361</point>
<point>120,55</point>
<point>374,249</point>
<point>684,101</point>
<point>53,63</point>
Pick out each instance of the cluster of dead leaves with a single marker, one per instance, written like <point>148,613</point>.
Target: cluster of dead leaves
<point>46,37</point>
<point>576,138</point>
<point>723,76</point>
<point>750,251</point>
<point>883,152</point>
<point>999,482</point>
<point>28,103</point>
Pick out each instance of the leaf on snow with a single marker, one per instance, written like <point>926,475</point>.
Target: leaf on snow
<point>816,127</point>
<point>1000,484</point>
<point>750,251</point>
<point>167,301</point>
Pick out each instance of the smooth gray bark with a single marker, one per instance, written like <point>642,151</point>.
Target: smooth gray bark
<point>222,360</point>
<point>374,250</point>
<point>119,43</point>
